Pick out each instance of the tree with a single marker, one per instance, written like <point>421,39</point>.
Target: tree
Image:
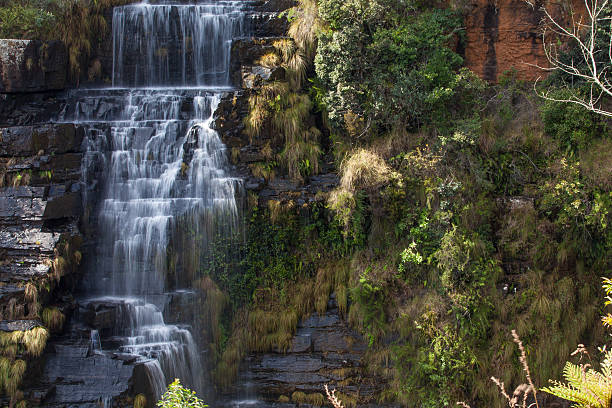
<point>590,60</point>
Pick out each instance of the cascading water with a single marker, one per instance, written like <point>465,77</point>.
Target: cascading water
<point>150,139</point>
<point>189,45</point>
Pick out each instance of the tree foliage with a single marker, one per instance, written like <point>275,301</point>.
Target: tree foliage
<point>388,63</point>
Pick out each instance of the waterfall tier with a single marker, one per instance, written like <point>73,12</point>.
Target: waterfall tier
<point>157,166</point>
<point>175,44</point>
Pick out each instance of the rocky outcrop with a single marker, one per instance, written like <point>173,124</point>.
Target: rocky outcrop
<point>32,66</point>
<point>247,153</point>
<point>506,35</point>
<point>325,350</point>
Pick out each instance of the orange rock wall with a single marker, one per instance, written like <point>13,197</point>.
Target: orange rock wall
<point>502,35</point>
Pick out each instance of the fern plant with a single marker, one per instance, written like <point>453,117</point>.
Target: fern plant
<point>585,387</point>
<point>607,286</point>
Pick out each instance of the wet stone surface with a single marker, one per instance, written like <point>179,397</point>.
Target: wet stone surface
<point>324,351</point>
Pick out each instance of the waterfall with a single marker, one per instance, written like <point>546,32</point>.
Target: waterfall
<point>152,150</point>
<point>166,44</point>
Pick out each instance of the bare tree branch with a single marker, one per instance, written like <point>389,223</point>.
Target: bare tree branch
<point>588,67</point>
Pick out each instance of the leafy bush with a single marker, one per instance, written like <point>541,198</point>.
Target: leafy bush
<point>178,396</point>
<point>389,64</point>
<point>25,21</point>
<point>572,125</point>
<point>371,298</point>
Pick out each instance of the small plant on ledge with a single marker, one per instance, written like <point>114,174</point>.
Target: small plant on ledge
<point>178,396</point>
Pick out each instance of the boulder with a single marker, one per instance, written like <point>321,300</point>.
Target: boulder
<point>246,51</point>
<point>32,66</point>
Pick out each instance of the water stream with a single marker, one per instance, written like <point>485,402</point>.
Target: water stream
<point>152,149</point>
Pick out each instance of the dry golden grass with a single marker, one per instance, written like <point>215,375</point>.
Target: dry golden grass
<point>269,60</point>
<point>305,26</point>
<point>140,401</point>
<point>364,169</point>
<point>314,399</point>
<point>11,374</point>
<point>263,170</point>
<point>278,210</point>
<point>53,319</point>
<point>33,341</point>
<point>59,266</point>
<point>211,310</point>
<point>226,369</point>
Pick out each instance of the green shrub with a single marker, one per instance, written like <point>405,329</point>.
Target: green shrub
<point>25,21</point>
<point>178,396</point>
<point>572,125</point>
<point>371,299</point>
<point>389,63</point>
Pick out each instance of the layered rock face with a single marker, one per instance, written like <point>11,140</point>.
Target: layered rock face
<point>324,350</point>
<point>504,35</point>
<point>40,242</point>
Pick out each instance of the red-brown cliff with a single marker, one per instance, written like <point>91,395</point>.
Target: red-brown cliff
<point>504,35</point>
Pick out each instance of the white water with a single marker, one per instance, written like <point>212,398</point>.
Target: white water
<point>151,142</point>
<point>177,44</point>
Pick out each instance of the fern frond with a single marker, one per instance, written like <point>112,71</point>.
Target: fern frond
<point>574,395</point>
<point>606,365</point>
<point>573,374</point>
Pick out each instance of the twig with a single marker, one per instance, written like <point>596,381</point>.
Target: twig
<point>523,360</point>
<point>331,396</point>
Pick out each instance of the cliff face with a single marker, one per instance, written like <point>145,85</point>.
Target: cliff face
<point>504,35</point>
<point>40,203</point>
<point>32,66</point>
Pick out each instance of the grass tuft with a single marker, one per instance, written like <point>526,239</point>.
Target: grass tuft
<point>140,401</point>
<point>53,319</point>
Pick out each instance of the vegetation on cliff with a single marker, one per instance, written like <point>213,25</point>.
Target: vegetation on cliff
<point>79,24</point>
<point>464,210</point>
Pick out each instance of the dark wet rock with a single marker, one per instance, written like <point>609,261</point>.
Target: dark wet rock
<point>325,350</point>
<point>275,5</point>
<point>268,23</point>
<point>77,376</point>
<point>39,208</point>
<point>68,205</point>
<point>50,139</point>
<point>19,325</point>
<point>32,66</point>
<point>28,109</point>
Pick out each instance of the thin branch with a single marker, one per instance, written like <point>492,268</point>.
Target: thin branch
<point>584,34</point>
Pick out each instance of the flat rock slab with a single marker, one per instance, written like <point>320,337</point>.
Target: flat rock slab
<point>324,350</point>
<point>81,378</point>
